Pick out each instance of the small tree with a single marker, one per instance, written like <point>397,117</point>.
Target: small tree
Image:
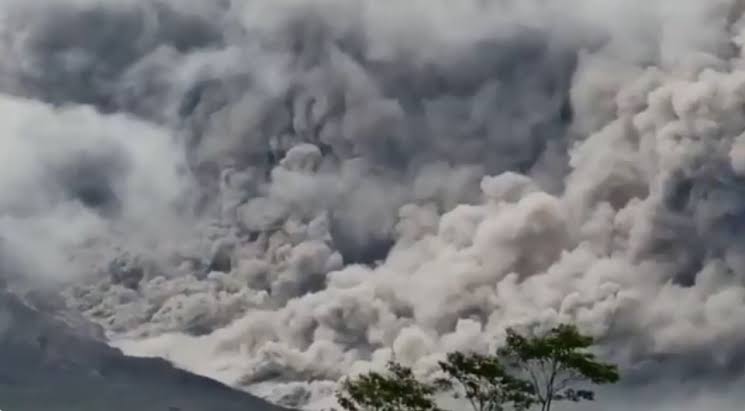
<point>399,390</point>
<point>484,381</point>
<point>555,362</point>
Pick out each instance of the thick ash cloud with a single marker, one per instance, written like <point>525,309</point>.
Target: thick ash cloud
<point>74,179</point>
<point>280,193</point>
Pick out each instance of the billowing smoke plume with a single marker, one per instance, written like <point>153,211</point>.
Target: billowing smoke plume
<point>279,193</point>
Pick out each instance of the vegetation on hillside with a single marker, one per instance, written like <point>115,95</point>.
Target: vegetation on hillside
<point>529,371</point>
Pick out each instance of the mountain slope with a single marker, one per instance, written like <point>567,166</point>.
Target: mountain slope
<point>47,364</point>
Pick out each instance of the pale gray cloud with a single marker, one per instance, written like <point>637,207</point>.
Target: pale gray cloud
<point>279,193</point>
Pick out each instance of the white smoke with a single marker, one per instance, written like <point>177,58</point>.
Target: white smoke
<point>280,193</point>
<point>68,170</point>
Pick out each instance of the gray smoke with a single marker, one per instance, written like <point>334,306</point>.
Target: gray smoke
<point>278,194</point>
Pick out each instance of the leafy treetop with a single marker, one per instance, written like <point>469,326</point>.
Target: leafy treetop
<point>555,362</point>
<point>397,390</point>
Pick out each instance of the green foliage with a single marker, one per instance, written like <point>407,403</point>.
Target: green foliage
<point>398,390</point>
<point>556,361</point>
<point>528,370</point>
<point>485,382</point>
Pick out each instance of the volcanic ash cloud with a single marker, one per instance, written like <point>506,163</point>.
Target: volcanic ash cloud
<point>278,194</point>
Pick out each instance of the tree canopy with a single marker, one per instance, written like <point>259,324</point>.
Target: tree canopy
<point>526,371</point>
<point>554,363</point>
<point>485,382</point>
<point>396,390</point>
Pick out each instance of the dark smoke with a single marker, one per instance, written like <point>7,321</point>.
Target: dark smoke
<point>280,193</point>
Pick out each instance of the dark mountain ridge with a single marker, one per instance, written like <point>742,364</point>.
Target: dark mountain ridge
<point>46,363</point>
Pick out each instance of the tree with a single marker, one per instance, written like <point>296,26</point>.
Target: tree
<point>555,362</point>
<point>398,390</point>
<point>528,370</point>
<point>484,381</point>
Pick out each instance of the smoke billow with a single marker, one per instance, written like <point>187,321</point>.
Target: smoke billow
<point>279,193</point>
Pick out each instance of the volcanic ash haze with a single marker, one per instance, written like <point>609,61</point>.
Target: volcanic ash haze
<point>280,193</point>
